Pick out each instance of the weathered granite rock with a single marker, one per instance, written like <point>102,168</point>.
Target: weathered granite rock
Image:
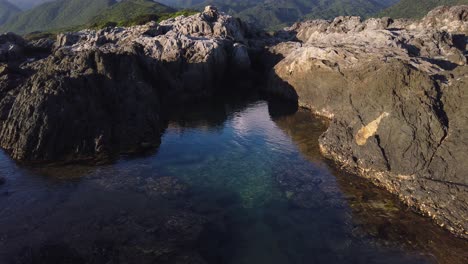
<point>101,92</point>
<point>43,44</point>
<point>395,92</point>
<point>451,19</point>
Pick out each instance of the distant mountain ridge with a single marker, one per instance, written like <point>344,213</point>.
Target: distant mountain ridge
<point>267,14</point>
<point>7,11</point>
<point>56,14</point>
<point>182,3</point>
<point>65,14</point>
<point>274,14</point>
<point>28,4</point>
<point>417,9</point>
<point>127,11</point>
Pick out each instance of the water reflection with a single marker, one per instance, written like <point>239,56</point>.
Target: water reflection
<point>232,182</point>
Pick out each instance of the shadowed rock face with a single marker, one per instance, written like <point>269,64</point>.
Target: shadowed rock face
<point>105,106</point>
<point>395,92</point>
<point>101,92</point>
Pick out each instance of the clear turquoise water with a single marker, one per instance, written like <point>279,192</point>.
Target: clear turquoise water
<point>231,183</point>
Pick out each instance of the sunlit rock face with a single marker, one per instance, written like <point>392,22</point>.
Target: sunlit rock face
<point>102,92</point>
<point>395,92</point>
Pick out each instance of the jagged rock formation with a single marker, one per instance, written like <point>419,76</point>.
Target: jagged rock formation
<point>102,92</point>
<point>395,91</point>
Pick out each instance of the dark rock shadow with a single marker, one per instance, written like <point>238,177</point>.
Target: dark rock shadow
<point>272,86</point>
<point>460,41</point>
<point>444,64</point>
<point>413,51</point>
<point>278,107</point>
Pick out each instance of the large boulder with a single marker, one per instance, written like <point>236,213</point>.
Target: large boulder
<point>102,92</point>
<point>80,107</point>
<point>395,92</point>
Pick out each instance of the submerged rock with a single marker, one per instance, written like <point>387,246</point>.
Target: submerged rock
<point>395,92</point>
<point>169,187</point>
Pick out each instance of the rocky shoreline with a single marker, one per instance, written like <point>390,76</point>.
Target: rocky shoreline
<point>394,90</point>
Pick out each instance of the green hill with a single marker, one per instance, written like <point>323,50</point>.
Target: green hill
<point>62,15</point>
<point>57,14</point>
<point>7,11</point>
<point>417,9</point>
<point>129,12</point>
<point>275,14</point>
<point>181,3</point>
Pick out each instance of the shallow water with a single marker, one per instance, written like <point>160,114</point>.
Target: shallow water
<point>231,183</point>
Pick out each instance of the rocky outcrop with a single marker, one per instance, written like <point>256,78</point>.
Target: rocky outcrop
<point>451,19</point>
<point>395,92</point>
<point>77,107</point>
<point>103,92</point>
